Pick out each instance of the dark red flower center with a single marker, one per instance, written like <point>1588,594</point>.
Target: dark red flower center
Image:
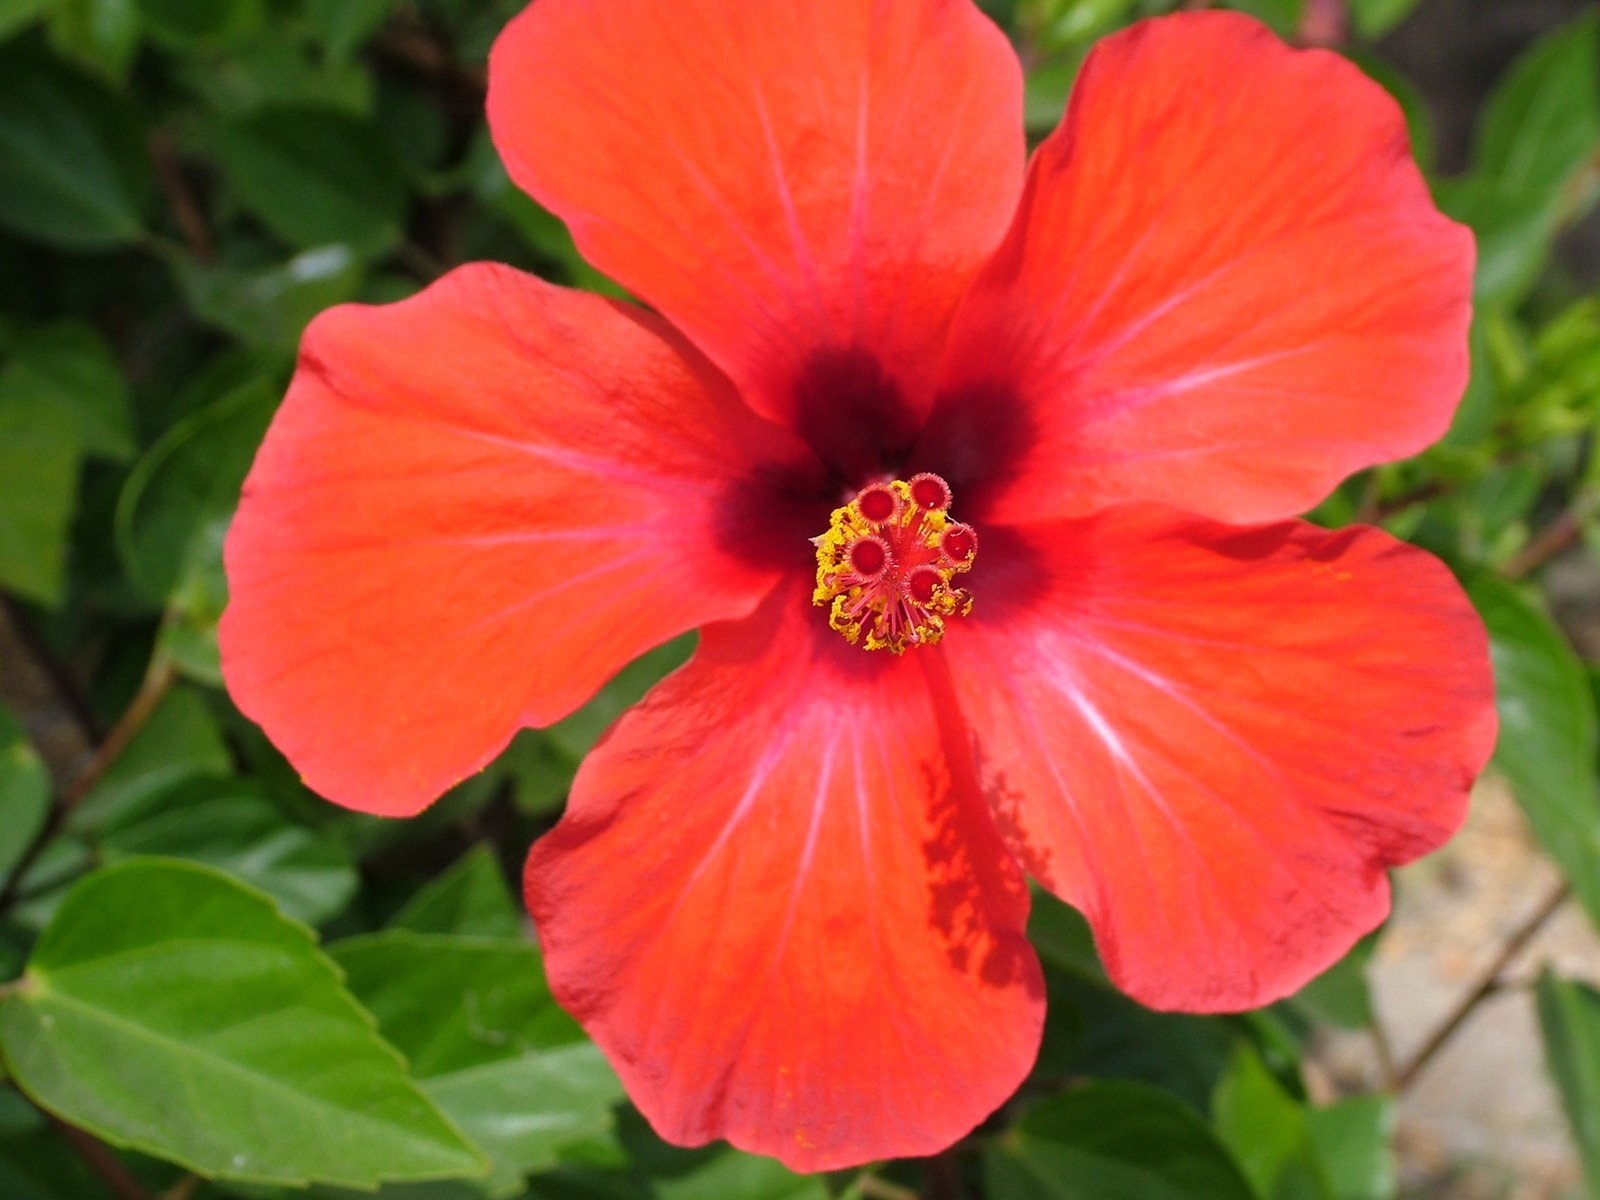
<point>886,565</point>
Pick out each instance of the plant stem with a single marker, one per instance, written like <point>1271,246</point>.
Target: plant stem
<point>1420,495</point>
<point>157,681</point>
<point>1368,506</point>
<point>1550,541</point>
<point>1488,983</point>
<point>415,49</point>
<point>944,1179</point>
<point>1383,1049</point>
<point>185,211</point>
<point>101,1159</point>
<point>44,696</point>
<point>870,1187</point>
<point>1325,23</point>
<point>419,262</point>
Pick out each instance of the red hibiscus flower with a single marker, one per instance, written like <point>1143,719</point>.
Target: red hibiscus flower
<point>980,487</point>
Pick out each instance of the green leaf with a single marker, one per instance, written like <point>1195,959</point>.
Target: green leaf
<point>264,73</point>
<point>103,35</point>
<point>418,131</point>
<point>342,25</point>
<point>269,306</point>
<point>1093,1029</point>
<point>1045,96</point>
<point>1078,22</point>
<point>1289,1149</point>
<point>575,735</point>
<point>1419,122</point>
<point>185,24</point>
<point>317,177</point>
<point>1283,15</point>
<point>1563,395</point>
<point>745,1176</point>
<point>18,14</point>
<point>1474,421</point>
<point>180,496</point>
<point>1374,18</point>
<point>170,1010</point>
<point>1569,1015</point>
<point>539,773</point>
<point>35,1163</point>
<point>544,232</point>
<point>68,371</point>
<point>1112,1141</point>
<point>73,170</point>
<point>24,794</point>
<point>1062,936</point>
<point>470,898</point>
<point>188,636</point>
<point>1341,995</point>
<point>39,458</point>
<point>1514,232</point>
<point>1542,122</point>
<point>1259,1121</point>
<point>1351,1142</point>
<point>1537,139</point>
<point>641,1168</point>
<point>230,825</point>
<point>486,1041</point>
<point>1548,732</point>
<point>63,860</point>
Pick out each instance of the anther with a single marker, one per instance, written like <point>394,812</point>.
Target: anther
<point>929,491</point>
<point>869,557</point>
<point>960,543</point>
<point>877,504</point>
<point>923,583</point>
<point>886,565</point>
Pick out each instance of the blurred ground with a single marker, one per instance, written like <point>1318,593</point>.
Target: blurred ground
<point>1482,1122</point>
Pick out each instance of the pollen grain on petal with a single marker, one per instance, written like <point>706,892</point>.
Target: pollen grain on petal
<point>887,564</point>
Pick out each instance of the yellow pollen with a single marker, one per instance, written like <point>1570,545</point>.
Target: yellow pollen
<point>886,564</point>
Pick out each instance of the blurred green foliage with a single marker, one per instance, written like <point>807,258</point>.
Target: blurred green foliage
<point>183,185</point>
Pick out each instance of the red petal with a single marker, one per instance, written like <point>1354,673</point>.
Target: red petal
<point>775,178</point>
<point>1226,289</point>
<point>473,506</point>
<point>1213,741</point>
<point>782,912</point>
